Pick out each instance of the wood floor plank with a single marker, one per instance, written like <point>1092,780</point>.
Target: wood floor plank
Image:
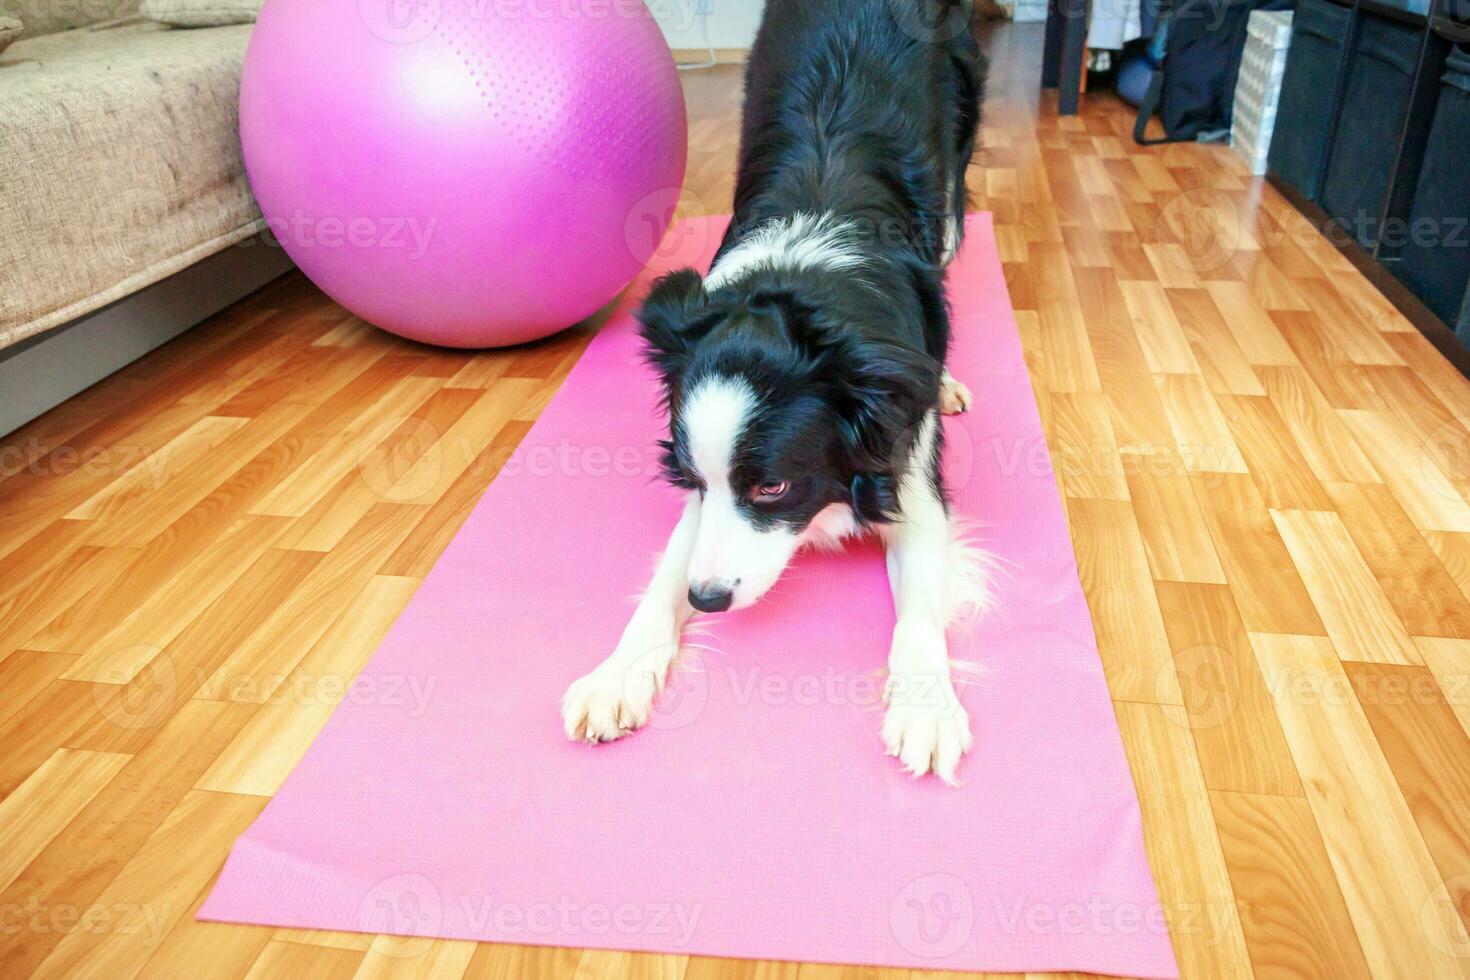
<point>172,460</point>
<point>295,495</point>
<point>1271,454</point>
<point>147,518</point>
<point>230,951</point>
<point>309,376</point>
<point>1453,551</point>
<point>395,958</point>
<point>26,673</point>
<point>259,664</point>
<point>128,715</point>
<point>1358,616</point>
<point>155,619</point>
<point>1426,493</point>
<point>1443,437</point>
<point>1388,880</point>
<point>1183,845</point>
<point>83,624</point>
<point>1346,327</point>
<point>1291,908</point>
<point>1069,358</point>
<point>1175,535</point>
<point>71,473</point>
<point>269,746</point>
<point>1223,364</point>
<point>1342,383</point>
<point>1250,323</point>
<point>38,810</point>
<point>88,569</point>
<point>432,534</point>
<point>21,568</point>
<point>379,468</point>
<point>1226,705</point>
<point>279,959</point>
<point>84,859</point>
<point>154,889</point>
<point>1130,630</point>
<point>1272,287</point>
<point>1429,754</point>
<point>503,961</point>
<point>596,964</point>
<point>1085,449</point>
<point>1430,366</point>
<point>1324,441</point>
<point>1449,662</point>
<point>431,476</point>
<point>1267,587</point>
<point>1202,435</point>
<point>1423,595</point>
<point>1138,416</point>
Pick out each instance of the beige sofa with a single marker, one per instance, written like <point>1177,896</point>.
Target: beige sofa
<point>125,215</point>
<point>119,161</point>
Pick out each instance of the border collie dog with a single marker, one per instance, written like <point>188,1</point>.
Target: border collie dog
<point>804,375</point>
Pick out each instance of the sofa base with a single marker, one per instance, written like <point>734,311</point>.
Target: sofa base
<point>43,371</point>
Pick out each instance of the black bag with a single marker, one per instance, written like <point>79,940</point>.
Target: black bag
<point>1194,91</point>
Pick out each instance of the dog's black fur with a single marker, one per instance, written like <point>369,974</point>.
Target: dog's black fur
<point>864,110</point>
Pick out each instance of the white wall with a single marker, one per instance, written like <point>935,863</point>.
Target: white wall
<point>731,23</point>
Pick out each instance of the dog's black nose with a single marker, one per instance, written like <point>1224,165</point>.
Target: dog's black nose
<point>710,598</point>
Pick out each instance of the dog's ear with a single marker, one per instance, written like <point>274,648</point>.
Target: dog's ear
<point>883,394</point>
<point>874,497</point>
<point>670,317</point>
<point>884,391</point>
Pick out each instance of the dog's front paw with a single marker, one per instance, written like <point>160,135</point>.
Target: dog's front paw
<point>617,697</point>
<point>610,702</point>
<point>954,397</point>
<point>925,727</point>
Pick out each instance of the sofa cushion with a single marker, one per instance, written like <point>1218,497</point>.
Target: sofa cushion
<point>200,13</point>
<point>10,30</point>
<point>61,15</point>
<point>121,165</point>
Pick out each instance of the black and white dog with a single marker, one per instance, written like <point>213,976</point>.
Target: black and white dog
<point>804,376</point>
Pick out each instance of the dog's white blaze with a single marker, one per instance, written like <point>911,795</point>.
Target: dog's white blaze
<point>802,241</point>
<point>714,414</point>
<point>728,550</point>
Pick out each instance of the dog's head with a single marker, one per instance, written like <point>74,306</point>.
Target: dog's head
<point>788,398</point>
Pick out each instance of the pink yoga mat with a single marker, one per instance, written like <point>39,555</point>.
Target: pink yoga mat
<point>757,816</point>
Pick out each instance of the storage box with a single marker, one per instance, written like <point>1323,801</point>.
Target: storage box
<point>1308,94</point>
<point>1371,123</point>
<point>1258,86</point>
<point>1435,260</point>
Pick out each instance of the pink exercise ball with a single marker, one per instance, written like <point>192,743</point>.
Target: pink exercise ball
<point>469,173</point>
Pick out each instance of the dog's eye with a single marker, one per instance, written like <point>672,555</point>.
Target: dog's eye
<point>771,491</point>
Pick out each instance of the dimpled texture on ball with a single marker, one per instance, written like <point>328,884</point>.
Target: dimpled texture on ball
<point>488,157</point>
<point>594,109</point>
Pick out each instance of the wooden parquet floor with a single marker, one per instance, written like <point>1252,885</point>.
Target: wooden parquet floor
<point>1265,469</point>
